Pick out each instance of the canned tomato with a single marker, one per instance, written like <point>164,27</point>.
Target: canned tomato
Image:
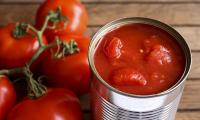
<point>140,66</point>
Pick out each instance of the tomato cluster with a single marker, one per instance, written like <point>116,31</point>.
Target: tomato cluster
<point>59,56</point>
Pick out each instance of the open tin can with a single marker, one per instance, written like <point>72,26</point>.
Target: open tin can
<point>108,103</point>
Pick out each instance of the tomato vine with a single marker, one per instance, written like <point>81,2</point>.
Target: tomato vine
<point>35,88</point>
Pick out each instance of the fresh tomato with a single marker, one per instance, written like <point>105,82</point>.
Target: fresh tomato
<point>72,71</point>
<point>56,104</point>
<point>7,96</point>
<point>15,52</point>
<point>73,10</point>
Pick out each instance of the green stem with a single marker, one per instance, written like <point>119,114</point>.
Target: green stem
<point>11,72</point>
<point>38,34</point>
<point>32,28</point>
<point>36,55</point>
<point>40,38</point>
<point>36,89</point>
<point>45,23</point>
<point>52,45</point>
<point>39,51</point>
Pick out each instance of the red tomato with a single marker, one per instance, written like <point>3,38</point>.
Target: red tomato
<point>15,52</point>
<point>160,55</point>
<point>7,96</point>
<point>72,9</point>
<point>56,104</point>
<point>128,76</point>
<point>113,48</point>
<point>72,71</point>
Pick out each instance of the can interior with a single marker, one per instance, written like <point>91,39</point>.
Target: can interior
<point>135,20</point>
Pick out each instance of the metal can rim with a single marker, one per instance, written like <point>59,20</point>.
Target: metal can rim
<point>186,49</point>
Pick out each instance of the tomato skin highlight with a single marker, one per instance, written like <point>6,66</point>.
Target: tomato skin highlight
<point>72,71</point>
<point>15,52</point>
<point>57,103</point>
<point>72,9</point>
<point>7,96</point>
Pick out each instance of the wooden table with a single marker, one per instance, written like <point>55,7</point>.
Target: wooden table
<point>183,15</point>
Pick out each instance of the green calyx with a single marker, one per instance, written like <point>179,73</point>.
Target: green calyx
<point>66,48</point>
<point>20,30</point>
<point>57,17</point>
<point>35,88</point>
<point>70,48</point>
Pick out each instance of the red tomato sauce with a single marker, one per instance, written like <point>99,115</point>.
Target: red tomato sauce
<point>139,59</point>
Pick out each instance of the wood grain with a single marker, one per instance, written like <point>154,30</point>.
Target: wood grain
<point>141,1</point>
<point>179,14</point>
<point>188,115</point>
<point>195,69</point>
<point>191,35</point>
<point>107,1</point>
<point>168,13</point>
<point>179,116</point>
<point>190,98</point>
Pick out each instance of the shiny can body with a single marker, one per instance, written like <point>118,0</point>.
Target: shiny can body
<point>109,103</point>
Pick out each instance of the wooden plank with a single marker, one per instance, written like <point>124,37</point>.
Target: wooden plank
<point>191,35</point>
<point>179,14</point>
<point>179,116</point>
<point>190,99</point>
<point>106,1</point>
<point>188,115</point>
<point>191,95</point>
<point>148,1</point>
<point>195,70</point>
<point>168,13</point>
<point>15,13</point>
